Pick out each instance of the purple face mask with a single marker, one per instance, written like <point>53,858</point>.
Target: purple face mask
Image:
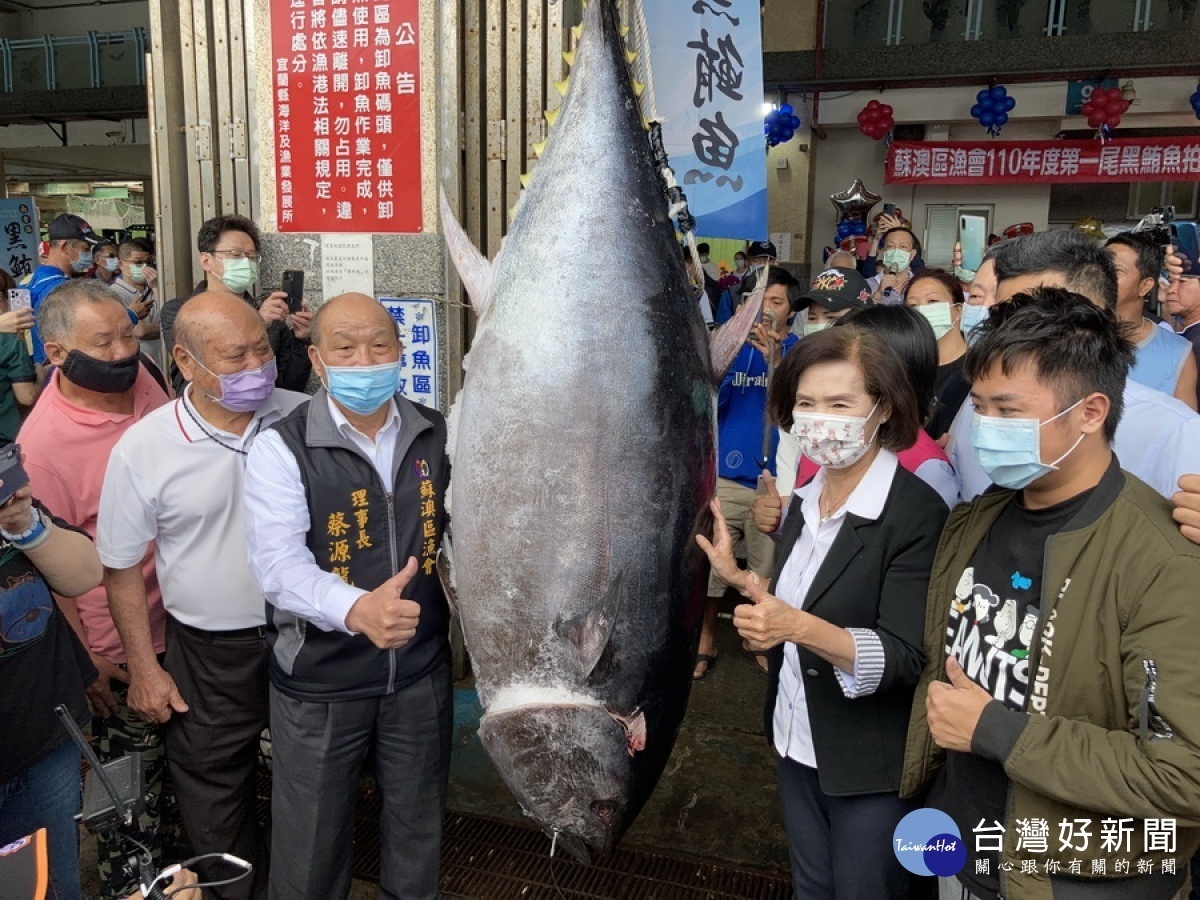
<point>244,391</point>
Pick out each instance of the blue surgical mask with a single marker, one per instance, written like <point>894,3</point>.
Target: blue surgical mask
<point>1009,450</point>
<point>971,316</point>
<point>362,389</point>
<point>83,262</point>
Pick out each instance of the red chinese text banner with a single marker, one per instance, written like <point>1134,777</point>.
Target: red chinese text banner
<point>1044,162</point>
<point>346,78</point>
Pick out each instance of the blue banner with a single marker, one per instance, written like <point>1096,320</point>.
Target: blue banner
<point>19,236</point>
<point>706,60</point>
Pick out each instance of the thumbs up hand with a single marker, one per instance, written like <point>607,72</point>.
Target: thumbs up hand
<point>765,621</point>
<point>953,709</point>
<point>767,507</point>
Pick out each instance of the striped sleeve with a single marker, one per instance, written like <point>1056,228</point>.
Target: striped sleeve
<point>868,665</point>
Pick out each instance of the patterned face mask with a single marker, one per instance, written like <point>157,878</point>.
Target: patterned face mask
<point>833,441</point>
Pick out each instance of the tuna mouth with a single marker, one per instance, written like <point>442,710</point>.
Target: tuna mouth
<point>568,766</point>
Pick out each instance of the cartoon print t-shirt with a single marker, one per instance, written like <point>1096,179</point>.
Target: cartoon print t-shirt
<point>994,615</point>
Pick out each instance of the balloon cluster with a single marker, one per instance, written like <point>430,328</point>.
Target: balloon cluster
<point>992,106</point>
<point>1104,108</point>
<point>875,120</point>
<point>849,228</point>
<point>781,124</point>
<point>1195,101</point>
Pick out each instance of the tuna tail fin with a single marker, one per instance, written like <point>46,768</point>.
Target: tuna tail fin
<point>726,342</point>
<point>590,632</point>
<point>472,266</point>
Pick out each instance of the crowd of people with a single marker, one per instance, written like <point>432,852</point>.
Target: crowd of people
<point>978,597</point>
<point>968,513</point>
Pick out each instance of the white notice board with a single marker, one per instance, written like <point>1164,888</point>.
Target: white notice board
<point>347,265</point>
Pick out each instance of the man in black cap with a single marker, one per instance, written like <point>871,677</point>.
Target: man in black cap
<point>834,293</point>
<point>71,243</point>
<point>758,254</point>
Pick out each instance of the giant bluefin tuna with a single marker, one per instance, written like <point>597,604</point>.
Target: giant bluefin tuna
<point>583,454</point>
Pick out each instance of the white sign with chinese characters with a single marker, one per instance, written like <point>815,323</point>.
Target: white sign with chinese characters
<point>783,244</point>
<point>347,264</point>
<point>417,320</point>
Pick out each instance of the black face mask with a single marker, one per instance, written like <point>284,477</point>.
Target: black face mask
<point>100,375</point>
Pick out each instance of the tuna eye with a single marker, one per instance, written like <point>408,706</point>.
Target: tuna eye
<point>603,810</point>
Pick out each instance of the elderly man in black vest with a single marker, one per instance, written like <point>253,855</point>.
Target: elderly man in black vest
<point>345,507</point>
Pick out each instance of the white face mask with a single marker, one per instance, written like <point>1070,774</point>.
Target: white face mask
<point>939,316</point>
<point>833,441</point>
<point>814,327</point>
<point>111,264</point>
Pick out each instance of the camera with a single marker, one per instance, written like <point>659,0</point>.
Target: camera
<point>1156,227</point>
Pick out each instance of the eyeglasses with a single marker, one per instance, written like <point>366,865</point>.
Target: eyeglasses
<point>237,254</point>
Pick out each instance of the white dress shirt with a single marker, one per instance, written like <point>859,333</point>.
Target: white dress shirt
<point>277,525</point>
<point>176,480</point>
<point>1156,440</point>
<point>792,728</point>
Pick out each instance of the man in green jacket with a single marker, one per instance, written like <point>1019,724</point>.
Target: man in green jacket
<point>1057,720</point>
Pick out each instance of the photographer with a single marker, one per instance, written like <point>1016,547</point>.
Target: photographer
<point>42,664</point>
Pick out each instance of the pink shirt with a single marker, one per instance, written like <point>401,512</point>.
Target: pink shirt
<point>66,449</point>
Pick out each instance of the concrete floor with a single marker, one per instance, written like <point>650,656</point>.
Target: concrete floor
<point>716,800</point>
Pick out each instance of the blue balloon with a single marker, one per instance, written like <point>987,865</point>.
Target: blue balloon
<point>795,122</point>
<point>772,117</point>
<point>985,93</point>
<point>976,111</point>
<point>987,103</point>
<point>786,109</point>
<point>999,92</point>
<point>1010,103</point>
<point>860,227</point>
<point>787,135</point>
<point>1001,119</point>
<point>988,118</point>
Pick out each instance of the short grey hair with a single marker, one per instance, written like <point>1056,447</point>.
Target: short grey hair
<point>56,315</point>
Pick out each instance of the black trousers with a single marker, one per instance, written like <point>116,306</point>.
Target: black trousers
<point>840,847</point>
<point>212,749</point>
<point>317,752</point>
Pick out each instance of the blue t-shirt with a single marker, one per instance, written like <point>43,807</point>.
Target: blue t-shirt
<point>742,417</point>
<point>1159,359</point>
<point>45,279</point>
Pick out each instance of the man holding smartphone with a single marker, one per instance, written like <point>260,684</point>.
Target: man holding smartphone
<point>229,249</point>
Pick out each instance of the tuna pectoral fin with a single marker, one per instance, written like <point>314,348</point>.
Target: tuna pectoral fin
<point>590,632</point>
<point>472,266</point>
<point>445,571</point>
<point>635,729</point>
<point>726,342</point>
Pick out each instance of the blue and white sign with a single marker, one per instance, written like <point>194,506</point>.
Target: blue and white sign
<point>706,58</point>
<point>19,236</point>
<point>416,318</point>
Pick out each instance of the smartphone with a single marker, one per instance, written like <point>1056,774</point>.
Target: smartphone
<point>12,474</point>
<point>972,235</point>
<point>293,286</point>
<point>889,209</point>
<point>19,298</point>
<point>1186,240</point>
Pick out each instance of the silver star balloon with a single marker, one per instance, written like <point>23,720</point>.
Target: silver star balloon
<point>855,202</point>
